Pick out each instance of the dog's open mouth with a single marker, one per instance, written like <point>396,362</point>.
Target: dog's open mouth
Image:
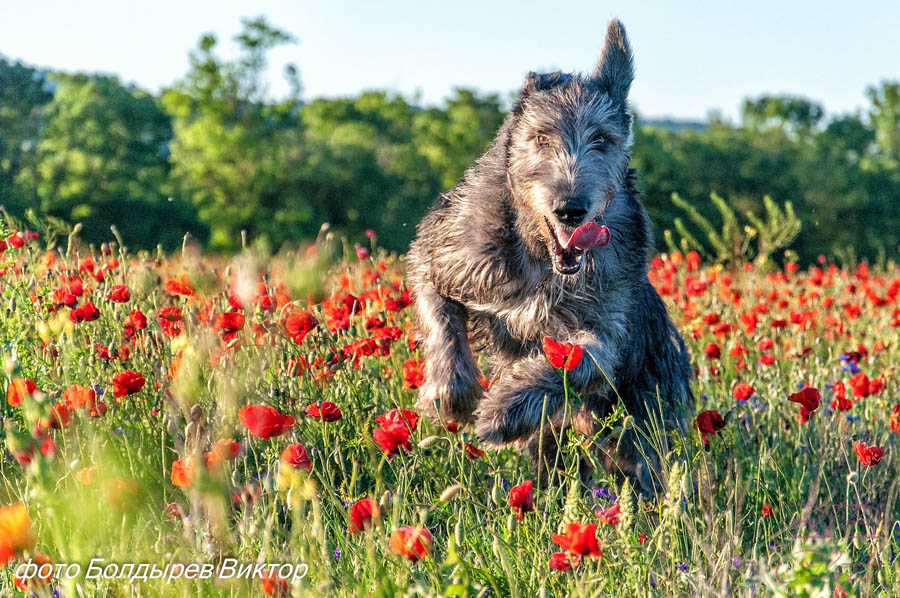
<point>569,244</point>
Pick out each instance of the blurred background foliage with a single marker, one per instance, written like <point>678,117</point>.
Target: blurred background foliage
<point>214,154</point>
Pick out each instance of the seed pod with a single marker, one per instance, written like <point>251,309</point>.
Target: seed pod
<point>429,441</point>
<point>450,492</point>
<point>496,496</point>
<point>385,502</point>
<point>459,532</point>
<point>511,522</point>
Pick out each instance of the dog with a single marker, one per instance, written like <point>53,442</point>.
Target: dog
<point>545,237</point>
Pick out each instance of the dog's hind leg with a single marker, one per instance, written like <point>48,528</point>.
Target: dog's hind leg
<point>451,390</point>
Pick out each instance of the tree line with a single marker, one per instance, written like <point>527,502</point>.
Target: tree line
<point>214,155</point>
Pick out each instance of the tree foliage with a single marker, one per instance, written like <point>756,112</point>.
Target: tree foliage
<point>216,155</point>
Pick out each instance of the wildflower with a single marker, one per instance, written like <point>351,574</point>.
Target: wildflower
<point>127,382</point>
<point>404,416</point>
<point>363,514</point>
<point>743,391</point>
<point>180,285</point>
<point>868,455</point>
<point>712,351</point>
<point>264,421</point>
<point>15,531</point>
<point>709,422</point>
<point>298,324</point>
<point>273,584</point>
<point>32,585</point>
<point>562,355</point>
<point>295,456</point>
<point>119,293</point>
<point>182,472</point>
<point>20,389</point>
<point>808,397</point>
<point>895,418</point>
<point>413,373</point>
<point>391,436</point>
<point>327,411</point>
<point>609,515</point>
<point>412,542</point>
<point>580,538</point>
<point>225,449</point>
<point>521,498</point>
<point>86,312</point>
<point>82,398</point>
<point>230,324</point>
<point>766,510</point>
<point>563,561</point>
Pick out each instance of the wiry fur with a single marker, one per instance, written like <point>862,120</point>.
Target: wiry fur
<point>481,269</point>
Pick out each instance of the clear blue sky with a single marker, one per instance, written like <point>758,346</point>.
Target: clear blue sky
<point>691,57</point>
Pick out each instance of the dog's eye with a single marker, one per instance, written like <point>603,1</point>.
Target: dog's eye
<point>599,140</point>
<point>542,139</point>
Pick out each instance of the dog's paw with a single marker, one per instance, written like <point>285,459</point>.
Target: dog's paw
<point>508,414</point>
<point>452,400</point>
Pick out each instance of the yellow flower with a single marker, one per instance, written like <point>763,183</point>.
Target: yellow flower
<point>15,531</point>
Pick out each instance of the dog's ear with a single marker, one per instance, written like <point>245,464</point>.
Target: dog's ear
<point>544,81</point>
<point>615,71</point>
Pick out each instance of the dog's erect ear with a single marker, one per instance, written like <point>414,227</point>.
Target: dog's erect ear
<point>544,81</point>
<point>615,71</point>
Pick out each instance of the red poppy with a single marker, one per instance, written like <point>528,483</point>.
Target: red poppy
<point>391,436</point>
<point>413,373</point>
<point>859,385</point>
<point>20,389</point>
<point>808,397</point>
<point>766,510</point>
<point>273,584</point>
<point>709,422</point>
<point>472,451</point>
<point>743,391</point>
<point>562,355</point>
<point>182,472</point>
<point>362,515</point>
<point>868,455</point>
<point>32,585</point>
<point>296,456</point>
<point>325,410</point>
<point>580,538</point>
<point>609,515</point>
<point>15,531</point>
<point>87,312</point>
<point>170,318</point>
<point>136,320</point>
<point>399,416</point>
<point>521,498</point>
<point>298,324</point>
<point>264,421</point>
<point>82,398</point>
<point>127,383</point>
<point>412,542</point>
<point>225,449</point>
<point>895,418</point>
<point>180,285</point>
<point>58,418</point>
<point>712,351</point>
<point>563,561</point>
<point>230,323</point>
<point>119,293</point>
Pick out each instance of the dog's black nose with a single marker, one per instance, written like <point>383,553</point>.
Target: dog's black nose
<point>570,215</point>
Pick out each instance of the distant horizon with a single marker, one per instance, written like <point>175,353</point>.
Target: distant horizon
<point>690,62</point>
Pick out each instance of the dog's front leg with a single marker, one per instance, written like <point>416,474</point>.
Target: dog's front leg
<point>532,387</point>
<point>451,389</point>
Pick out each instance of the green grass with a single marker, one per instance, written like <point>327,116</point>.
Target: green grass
<point>706,537</point>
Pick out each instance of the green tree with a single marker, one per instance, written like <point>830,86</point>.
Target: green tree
<point>24,92</point>
<point>102,159</point>
<point>236,155</point>
<point>885,117</point>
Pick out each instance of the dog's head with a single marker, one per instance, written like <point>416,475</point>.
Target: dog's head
<point>568,152</point>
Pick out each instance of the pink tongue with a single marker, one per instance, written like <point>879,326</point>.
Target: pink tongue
<point>589,235</point>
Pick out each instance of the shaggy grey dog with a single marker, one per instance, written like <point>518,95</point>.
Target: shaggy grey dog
<point>545,236</point>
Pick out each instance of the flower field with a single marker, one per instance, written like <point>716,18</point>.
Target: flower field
<point>194,425</point>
